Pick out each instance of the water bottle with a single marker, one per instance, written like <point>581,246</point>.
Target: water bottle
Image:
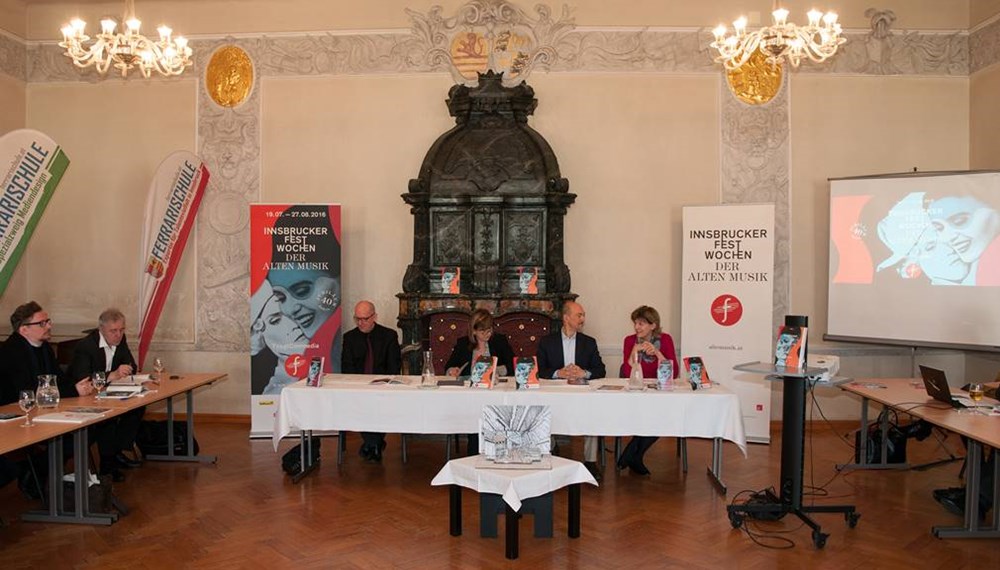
<point>427,376</point>
<point>47,393</point>
<point>635,381</point>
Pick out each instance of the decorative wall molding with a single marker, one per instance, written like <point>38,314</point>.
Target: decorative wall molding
<point>229,142</point>
<point>578,50</point>
<point>984,46</point>
<point>13,57</point>
<point>755,167</point>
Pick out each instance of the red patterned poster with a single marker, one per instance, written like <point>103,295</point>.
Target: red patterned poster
<point>295,312</point>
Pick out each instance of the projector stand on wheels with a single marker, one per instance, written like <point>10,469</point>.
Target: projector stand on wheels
<point>792,457</point>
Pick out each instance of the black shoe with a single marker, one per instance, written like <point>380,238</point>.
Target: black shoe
<point>125,461</point>
<point>366,453</point>
<point>29,486</point>
<point>938,493</point>
<point>954,503</point>
<point>377,453</point>
<point>638,467</point>
<point>592,467</point>
<point>622,462</point>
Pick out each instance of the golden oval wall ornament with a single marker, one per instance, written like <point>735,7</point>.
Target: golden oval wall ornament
<point>229,76</point>
<point>755,82</point>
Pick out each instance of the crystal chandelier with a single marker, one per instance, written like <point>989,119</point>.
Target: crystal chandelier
<point>127,49</point>
<point>779,41</point>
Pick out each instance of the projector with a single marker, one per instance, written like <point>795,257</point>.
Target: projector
<point>829,364</point>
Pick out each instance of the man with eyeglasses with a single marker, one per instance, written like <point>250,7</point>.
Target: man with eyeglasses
<point>370,348</point>
<point>106,350</point>
<point>27,353</point>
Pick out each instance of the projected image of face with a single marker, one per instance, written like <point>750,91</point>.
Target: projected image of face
<point>966,224</point>
<point>939,261</point>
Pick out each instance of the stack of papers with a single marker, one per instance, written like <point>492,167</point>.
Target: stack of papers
<point>68,417</point>
<point>133,380</point>
<point>119,392</point>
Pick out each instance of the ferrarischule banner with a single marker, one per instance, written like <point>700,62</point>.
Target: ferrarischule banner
<point>174,197</point>
<point>33,164</point>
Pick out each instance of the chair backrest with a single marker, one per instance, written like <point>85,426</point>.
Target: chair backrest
<point>524,330</point>
<point>443,329</point>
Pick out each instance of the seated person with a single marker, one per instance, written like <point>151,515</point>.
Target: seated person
<point>26,354</point>
<point>648,347</point>
<point>370,348</point>
<point>106,350</point>
<point>570,354</point>
<point>480,342</point>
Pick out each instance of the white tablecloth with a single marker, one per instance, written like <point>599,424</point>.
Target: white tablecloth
<point>348,402</point>
<point>514,485</point>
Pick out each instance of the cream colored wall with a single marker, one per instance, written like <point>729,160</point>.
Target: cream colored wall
<point>853,126</point>
<point>356,141</point>
<point>85,253</point>
<point>12,101</point>
<point>984,119</point>
<point>982,10</point>
<point>635,148</point>
<point>13,17</point>
<point>220,17</point>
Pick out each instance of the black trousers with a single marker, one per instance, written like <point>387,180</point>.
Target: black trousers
<point>117,434</point>
<point>372,440</point>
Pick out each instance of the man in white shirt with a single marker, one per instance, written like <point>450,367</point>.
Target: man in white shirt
<point>570,354</point>
<point>106,350</point>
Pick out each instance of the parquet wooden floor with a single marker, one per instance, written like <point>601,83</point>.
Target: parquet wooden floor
<point>244,513</point>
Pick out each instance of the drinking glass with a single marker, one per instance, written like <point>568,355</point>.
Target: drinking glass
<point>158,367</point>
<point>99,380</point>
<point>26,401</point>
<point>976,392</point>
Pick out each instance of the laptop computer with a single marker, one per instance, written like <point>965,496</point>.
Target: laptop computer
<point>937,387</point>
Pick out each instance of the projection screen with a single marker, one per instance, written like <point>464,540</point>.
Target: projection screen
<point>915,260</point>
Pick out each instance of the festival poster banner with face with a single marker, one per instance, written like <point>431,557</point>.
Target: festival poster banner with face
<point>727,299</point>
<point>295,312</point>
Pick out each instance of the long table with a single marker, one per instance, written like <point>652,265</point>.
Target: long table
<point>909,396</point>
<point>348,402</point>
<point>14,437</point>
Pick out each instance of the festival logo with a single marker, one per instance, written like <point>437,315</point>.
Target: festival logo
<point>727,310</point>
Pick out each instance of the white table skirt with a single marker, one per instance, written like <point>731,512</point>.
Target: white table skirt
<point>514,485</point>
<point>347,402</point>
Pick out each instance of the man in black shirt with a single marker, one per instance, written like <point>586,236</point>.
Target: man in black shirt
<point>27,353</point>
<point>370,348</point>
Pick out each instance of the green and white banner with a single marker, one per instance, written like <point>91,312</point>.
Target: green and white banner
<point>32,166</point>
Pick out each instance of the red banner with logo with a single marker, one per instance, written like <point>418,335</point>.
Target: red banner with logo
<point>174,197</point>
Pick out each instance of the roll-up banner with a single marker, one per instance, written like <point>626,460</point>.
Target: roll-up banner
<point>171,206</point>
<point>295,313</point>
<point>34,166</point>
<point>728,299</point>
